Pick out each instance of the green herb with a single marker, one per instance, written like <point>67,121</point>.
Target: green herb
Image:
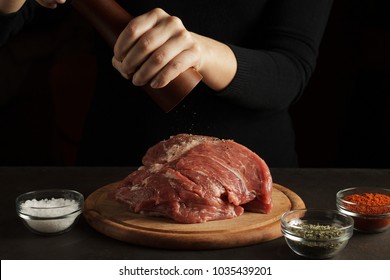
<point>311,231</point>
<point>318,241</point>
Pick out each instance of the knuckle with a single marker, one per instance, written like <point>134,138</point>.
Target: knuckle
<point>129,33</point>
<point>145,43</point>
<point>185,36</point>
<point>131,30</point>
<point>158,11</point>
<point>175,21</point>
<point>118,53</point>
<point>159,58</point>
<point>196,49</point>
<point>175,65</point>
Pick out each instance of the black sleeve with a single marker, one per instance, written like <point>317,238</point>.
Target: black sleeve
<point>276,73</point>
<point>10,24</point>
<point>30,14</point>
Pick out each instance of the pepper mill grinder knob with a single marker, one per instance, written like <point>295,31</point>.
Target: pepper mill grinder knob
<point>109,19</point>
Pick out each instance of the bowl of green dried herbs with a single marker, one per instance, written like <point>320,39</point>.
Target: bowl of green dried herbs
<point>316,233</point>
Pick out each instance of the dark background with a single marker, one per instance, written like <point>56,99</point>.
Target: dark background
<point>342,120</point>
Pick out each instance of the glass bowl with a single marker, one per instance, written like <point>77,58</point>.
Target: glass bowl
<point>316,233</point>
<point>49,212</point>
<point>370,217</point>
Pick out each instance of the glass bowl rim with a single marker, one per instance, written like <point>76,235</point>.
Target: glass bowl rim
<point>79,200</point>
<point>340,202</point>
<point>346,229</point>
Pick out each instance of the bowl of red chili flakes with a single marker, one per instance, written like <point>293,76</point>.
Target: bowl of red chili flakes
<point>368,206</point>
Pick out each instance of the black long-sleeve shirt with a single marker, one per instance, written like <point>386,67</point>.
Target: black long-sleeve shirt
<point>276,45</point>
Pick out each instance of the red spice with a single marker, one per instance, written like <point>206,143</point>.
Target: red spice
<point>369,204</point>
<point>373,199</point>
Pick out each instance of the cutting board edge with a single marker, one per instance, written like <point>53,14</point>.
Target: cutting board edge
<point>182,241</point>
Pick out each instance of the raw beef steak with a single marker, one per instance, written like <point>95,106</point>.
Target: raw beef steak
<point>194,179</point>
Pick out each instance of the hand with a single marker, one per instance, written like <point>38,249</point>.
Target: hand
<point>155,47</point>
<point>51,4</point>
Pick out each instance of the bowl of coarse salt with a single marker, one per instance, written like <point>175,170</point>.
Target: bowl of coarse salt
<point>50,212</point>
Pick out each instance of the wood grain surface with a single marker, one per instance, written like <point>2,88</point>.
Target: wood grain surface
<point>114,220</point>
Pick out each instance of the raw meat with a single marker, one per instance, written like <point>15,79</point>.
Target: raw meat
<point>194,179</point>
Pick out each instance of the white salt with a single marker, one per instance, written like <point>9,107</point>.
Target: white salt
<point>47,208</point>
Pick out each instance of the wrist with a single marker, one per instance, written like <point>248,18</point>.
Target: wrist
<point>218,64</point>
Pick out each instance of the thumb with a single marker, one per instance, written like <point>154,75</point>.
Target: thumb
<point>50,4</point>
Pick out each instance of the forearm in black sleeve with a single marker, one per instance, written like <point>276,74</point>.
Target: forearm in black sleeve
<point>10,24</point>
<point>275,74</point>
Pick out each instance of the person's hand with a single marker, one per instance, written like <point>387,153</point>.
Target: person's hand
<point>51,4</point>
<point>155,48</point>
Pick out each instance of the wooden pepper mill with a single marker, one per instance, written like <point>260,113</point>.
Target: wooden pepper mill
<point>109,19</point>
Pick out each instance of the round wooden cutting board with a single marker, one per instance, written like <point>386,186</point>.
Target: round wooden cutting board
<point>113,219</point>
